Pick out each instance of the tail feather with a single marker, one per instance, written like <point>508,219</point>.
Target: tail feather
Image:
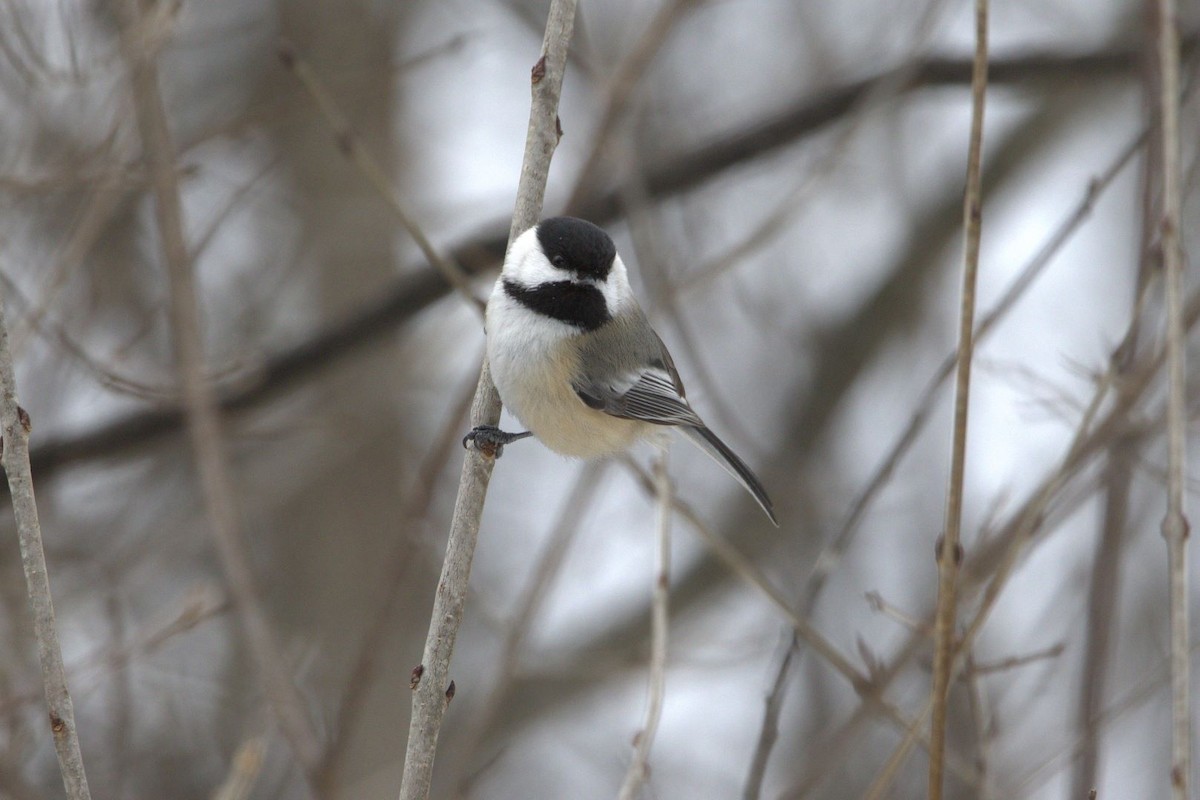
<point>707,441</point>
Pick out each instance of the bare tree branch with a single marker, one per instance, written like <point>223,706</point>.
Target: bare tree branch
<point>433,689</point>
<point>14,456</point>
<point>1175,522</point>
<point>949,549</point>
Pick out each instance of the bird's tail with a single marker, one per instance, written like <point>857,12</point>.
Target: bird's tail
<point>707,441</point>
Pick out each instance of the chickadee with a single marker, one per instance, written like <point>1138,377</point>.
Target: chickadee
<point>575,359</point>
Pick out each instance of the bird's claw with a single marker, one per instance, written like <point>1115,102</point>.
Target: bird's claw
<point>490,440</point>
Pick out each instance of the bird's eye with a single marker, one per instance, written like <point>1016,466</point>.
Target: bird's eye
<point>559,261</point>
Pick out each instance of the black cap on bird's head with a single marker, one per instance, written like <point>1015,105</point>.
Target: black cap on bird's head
<point>577,246</point>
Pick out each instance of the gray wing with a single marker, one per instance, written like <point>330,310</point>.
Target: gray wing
<point>649,396</point>
<point>631,375</point>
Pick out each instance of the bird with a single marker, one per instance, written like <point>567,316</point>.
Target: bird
<point>576,361</point>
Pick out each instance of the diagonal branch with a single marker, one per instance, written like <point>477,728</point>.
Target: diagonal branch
<point>14,456</point>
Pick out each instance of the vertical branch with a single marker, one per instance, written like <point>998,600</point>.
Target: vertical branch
<point>431,691</point>
<point>949,552</point>
<point>14,456</point>
<point>639,769</point>
<point>199,397</point>
<point>1175,523</point>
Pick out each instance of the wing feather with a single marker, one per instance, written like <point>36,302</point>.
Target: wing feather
<point>650,396</point>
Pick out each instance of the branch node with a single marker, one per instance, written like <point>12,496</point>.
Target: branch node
<point>538,72</point>
<point>414,679</point>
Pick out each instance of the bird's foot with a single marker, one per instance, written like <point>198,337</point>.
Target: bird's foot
<point>490,440</point>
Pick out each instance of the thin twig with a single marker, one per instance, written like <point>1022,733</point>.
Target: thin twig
<point>1175,522</point>
<point>1013,662</point>
<point>350,145</point>
<point>1142,692</point>
<point>980,716</point>
<point>949,553</point>
<point>430,694</point>
<point>639,769</point>
<point>200,401</point>
<point>15,460</point>
<point>769,730</point>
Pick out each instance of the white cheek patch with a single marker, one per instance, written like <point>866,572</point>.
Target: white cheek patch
<point>527,265</point>
<point>616,289</point>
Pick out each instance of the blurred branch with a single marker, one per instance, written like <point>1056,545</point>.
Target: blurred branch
<point>769,729</point>
<point>418,289</point>
<point>619,93</point>
<point>925,405</point>
<point>1104,587</point>
<point>14,457</point>
<point>415,512</point>
<point>639,768</point>
<point>432,692</point>
<point>994,562</point>
<point>200,400</point>
<point>199,604</point>
<point>350,145</point>
<point>1145,690</point>
<point>244,771</point>
<point>867,686</point>
<point>981,717</point>
<point>949,548</point>
<point>1175,522</point>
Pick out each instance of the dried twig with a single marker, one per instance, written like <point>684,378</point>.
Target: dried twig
<point>430,694</point>
<point>639,769</point>
<point>949,553</point>
<point>1175,523</point>
<point>200,400</point>
<point>15,460</point>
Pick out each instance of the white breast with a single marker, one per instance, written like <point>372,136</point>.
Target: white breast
<point>533,363</point>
